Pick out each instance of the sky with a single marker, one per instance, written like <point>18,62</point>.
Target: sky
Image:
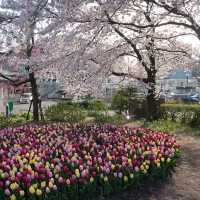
<point>191,40</point>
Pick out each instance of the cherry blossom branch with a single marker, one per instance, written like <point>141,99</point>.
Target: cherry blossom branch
<point>14,82</point>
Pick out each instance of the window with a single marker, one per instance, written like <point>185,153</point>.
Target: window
<point>108,92</point>
<point>181,84</point>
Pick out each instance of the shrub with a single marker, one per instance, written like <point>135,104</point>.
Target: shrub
<point>105,118</point>
<point>128,99</point>
<point>65,112</point>
<point>97,105</point>
<point>13,120</point>
<point>85,101</point>
<point>164,126</point>
<point>184,113</point>
<point>58,161</point>
<point>121,100</point>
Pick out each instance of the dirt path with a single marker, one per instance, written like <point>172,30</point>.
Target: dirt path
<point>185,183</point>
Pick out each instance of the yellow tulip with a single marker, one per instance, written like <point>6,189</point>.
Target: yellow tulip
<point>2,175</point>
<point>38,192</point>
<point>14,169</point>
<point>162,159</point>
<point>32,190</point>
<point>147,161</point>
<point>12,173</point>
<point>29,168</point>
<point>14,186</point>
<point>13,197</point>
<point>125,179</point>
<point>43,184</point>
<point>113,167</point>
<point>158,164</point>
<point>145,171</point>
<point>105,179</point>
<point>91,180</point>
<point>22,193</point>
<point>168,160</point>
<point>50,184</point>
<point>131,175</point>
<point>77,173</point>
<point>142,167</point>
<point>35,185</point>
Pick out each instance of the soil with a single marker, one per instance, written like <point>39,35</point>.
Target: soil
<point>183,185</point>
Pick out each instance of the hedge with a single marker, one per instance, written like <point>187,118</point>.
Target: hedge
<point>185,113</point>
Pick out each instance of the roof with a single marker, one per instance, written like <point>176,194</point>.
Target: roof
<point>181,74</point>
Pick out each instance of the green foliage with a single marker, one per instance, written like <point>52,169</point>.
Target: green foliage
<point>128,99</point>
<point>164,126</point>
<point>86,104</point>
<point>96,108</point>
<point>173,101</point>
<point>97,105</point>
<point>184,113</point>
<point>105,118</point>
<point>172,127</point>
<point>71,112</point>
<point>65,112</point>
<point>121,101</point>
<point>13,120</point>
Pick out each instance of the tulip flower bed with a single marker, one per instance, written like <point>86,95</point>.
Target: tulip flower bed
<point>58,161</point>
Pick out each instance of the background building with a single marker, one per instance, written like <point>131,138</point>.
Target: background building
<point>180,82</point>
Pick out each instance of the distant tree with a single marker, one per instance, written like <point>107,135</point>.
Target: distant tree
<point>125,100</point>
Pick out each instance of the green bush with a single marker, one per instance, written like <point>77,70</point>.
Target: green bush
<point>184,113</point>
<point>105,118</point>
<point>86,104</point>
<point>65,112</point>
<point>121,100</point>
<point>97,105</point>
<point>13,120</point>
<point>128,99</point>
<point>164,126</point>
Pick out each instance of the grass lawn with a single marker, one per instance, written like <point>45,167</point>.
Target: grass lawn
<point>167,126</point>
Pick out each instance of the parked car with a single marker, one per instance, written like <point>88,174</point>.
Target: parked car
<point>196,96</point>
<point>189,99</point>
<point>192,98</point>
<point>25,98</point>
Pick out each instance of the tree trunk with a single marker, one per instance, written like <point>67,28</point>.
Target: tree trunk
<point>35,97</point>
<point>153,106</point>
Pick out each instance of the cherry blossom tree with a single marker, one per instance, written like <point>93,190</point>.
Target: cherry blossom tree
<point>21,31</point>
<point>133,24</point>
<point>180,13</point>
<point>80,41</point>
<point>25,25</point>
